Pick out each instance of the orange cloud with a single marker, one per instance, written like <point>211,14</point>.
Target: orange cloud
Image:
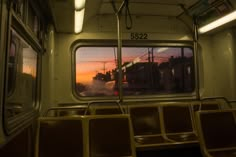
<point>85,78</point>
<point>85,71</point>
<point>29,70</point>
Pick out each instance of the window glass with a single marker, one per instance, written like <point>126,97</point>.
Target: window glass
<point>12,64</point>
<point>33,20</point>
<point>18,7</point>
<point>22,73</point>
<point>95,71</point>
<point>146,71</point>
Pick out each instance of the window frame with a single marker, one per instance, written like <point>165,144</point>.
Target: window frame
<point>130,43</point>
<point>15,66</point>
<point>20,121</point>
<point>26,115</point>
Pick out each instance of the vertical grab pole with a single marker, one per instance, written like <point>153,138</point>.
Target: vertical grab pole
<point>119,57</point>
<point>195,38</point>
<point>119,53</point>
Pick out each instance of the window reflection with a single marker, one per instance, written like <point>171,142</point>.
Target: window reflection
<point>146,70</point>
<point>22,73</point>
<point>33,20</point>
<point>12,64</point>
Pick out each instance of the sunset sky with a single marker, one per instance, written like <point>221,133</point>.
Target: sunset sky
<point>29,61</point>
<point>91,60</point>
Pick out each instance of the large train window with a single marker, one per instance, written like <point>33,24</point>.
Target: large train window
<point>21,80</point>
<point>146,71</point>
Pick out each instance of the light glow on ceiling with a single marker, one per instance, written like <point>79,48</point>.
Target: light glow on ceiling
<point>79,19</point>
<point>79,4</point>
<point>225,19</point>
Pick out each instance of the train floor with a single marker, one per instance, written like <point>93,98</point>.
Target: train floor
<point>180,152</point>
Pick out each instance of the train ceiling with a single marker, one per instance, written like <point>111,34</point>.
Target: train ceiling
<point>150,7</point>
<point>63,10</point>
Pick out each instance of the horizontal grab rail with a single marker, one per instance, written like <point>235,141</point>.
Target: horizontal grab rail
<point>64,108</point>
<point>220,97</point>
<point>94,102</point>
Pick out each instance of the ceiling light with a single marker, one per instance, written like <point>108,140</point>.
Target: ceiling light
<point>79,4</point>
<point>225,19</point>
<point>79,18</point>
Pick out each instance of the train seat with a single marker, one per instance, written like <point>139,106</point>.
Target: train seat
<point>110,136</point>
<point>59,137</point>
<point>147,126</point>
<point>217,131</point>
<point>204,106</point>
<point>178,123</point>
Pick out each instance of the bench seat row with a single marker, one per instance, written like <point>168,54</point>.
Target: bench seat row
<point>85,136</point>
<point>154,126</point>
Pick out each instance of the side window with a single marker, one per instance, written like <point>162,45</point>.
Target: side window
<point>146,71</point>
<point>21,77</point>
<point>26,10</point>
<point>95,71</point>
<point>21,80</point>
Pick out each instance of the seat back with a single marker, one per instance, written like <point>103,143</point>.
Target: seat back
<point>217,129</point>
<point>110,136</point>
<point>145,120</point>
<point>59,137</point>
<point>177,118</point>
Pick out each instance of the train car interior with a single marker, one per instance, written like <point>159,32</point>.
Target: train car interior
<point>118,78</point>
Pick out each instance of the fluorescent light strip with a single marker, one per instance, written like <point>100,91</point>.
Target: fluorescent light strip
<point>79,19</point>
<point>217,23</point>
<point>79,4</point>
